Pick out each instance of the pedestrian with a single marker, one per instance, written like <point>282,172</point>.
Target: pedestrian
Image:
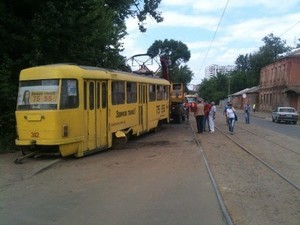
<point>212,117</point>
<point>199,115</point>
<point>225,113</point>
<point>230,111</point>
<point>254,107</point>
<point>247,113</point>
<point>207,107</point>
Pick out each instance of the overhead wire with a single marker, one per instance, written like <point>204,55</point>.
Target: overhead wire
<point>214,35</point>
<point>289,28</point>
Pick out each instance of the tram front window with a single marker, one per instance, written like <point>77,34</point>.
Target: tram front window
<point>38,94</point>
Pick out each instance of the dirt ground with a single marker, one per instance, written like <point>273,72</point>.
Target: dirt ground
<point>162,179</point>
<point>159,178</point>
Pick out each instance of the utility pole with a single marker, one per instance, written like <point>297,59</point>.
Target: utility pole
<point>228,85</point>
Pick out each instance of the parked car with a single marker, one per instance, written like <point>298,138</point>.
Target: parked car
<point>285,114</point>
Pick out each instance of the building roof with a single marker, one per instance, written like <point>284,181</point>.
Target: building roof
<point>246,91</point>
<point>294,53</point>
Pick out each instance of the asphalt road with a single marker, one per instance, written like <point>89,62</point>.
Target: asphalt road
<point>288,129</point>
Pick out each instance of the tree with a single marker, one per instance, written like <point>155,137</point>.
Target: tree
<point>273,47</point>
<point>137,9</point>
<point>176,51</point>
<point>182,74</point>
<point>242,63</point>
<point>214,89</point>
<point>248,66</point>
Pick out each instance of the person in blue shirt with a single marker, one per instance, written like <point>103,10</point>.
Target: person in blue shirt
<point>247,113</point>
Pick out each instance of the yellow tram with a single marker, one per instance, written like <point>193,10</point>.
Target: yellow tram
<point>76,110</point>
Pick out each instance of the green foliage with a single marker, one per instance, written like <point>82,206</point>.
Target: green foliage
<point>176,51</point>
<point>182,74</point>
<point>215,88</point>
<point>8,101</point>
<point>249,65</point>
<point>136,8</point>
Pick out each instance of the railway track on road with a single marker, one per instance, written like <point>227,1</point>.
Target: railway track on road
<point>256,172</point>
<point>259,158</point>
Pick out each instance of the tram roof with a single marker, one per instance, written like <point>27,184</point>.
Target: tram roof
<point>87,72</point>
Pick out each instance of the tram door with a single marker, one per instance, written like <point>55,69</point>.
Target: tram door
<point>143,106</point>
<point>101,116</point>
<point>96,113</point>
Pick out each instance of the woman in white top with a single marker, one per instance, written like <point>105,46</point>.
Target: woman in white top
<point>230,112</point>
<point>211,117</point>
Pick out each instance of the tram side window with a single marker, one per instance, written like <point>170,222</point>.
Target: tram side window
<point>118,92</point>
<point>98,95</point>
<point>104,95</point>
<point>131,92</point>
<point>69,94</point>
<point>92,96</point>
<point>166,92</point>
<point>152,92</point>
<point>160,92</point>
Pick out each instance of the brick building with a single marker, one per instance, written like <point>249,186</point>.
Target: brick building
<point>280,83</point>
<point>241,98</point>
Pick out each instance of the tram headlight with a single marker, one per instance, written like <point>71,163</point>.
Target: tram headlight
<point>65,130</point>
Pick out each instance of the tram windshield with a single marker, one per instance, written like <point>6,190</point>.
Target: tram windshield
<point>191,99</point>
<point>44,95</point>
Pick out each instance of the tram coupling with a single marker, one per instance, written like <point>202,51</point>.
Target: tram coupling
<point>19,159</point>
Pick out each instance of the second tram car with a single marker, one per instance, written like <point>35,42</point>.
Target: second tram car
<point>76,110</point>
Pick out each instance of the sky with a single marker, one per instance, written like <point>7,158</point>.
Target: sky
<point>216,31</point>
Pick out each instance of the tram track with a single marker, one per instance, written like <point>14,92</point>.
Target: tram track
<point>268,165</point>
<point>255,179</point>
<point>224,210</point>
<point>270,141</point>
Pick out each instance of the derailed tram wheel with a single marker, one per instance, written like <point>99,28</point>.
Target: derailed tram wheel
<point>119,143</point>
<point>159,126</point>
<point>25,150</point>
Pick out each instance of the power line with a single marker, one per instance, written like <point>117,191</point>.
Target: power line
<point>214,35</point>
<point>289,28</point>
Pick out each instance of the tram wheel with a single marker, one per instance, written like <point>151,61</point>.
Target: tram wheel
<point>159,126</point>
<point>25,150</point>
<point>119,143</point>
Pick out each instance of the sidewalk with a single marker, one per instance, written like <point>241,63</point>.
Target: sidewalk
<point>265,115</point>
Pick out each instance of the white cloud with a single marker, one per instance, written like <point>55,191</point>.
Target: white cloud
<point>175,19</point>
<point>240,32</point>
<point>216,5</point>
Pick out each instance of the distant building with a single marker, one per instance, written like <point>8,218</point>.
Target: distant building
<point>241,98</point>
<point>280,83</point>
<point>213,70</point>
